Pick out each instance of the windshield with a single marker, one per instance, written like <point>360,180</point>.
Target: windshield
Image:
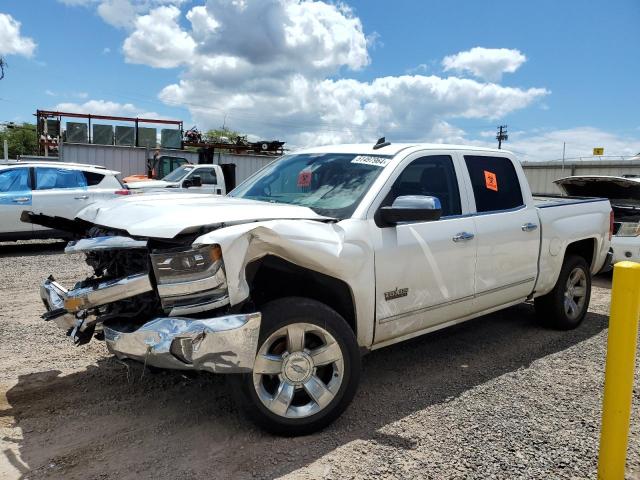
<point>331,184</point>
<point>178,174</point>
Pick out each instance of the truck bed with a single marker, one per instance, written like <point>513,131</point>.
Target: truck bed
<point>548,201</point>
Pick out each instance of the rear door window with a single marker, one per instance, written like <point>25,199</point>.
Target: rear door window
<point>495,183</point>
<point>15,180</point>
<point>48,178</point>
<point>92,178</point>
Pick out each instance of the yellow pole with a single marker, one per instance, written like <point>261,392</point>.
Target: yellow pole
<point>618,377</point>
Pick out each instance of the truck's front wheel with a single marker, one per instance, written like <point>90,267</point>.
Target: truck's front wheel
<point>306,370</point>
<point>566,305</point>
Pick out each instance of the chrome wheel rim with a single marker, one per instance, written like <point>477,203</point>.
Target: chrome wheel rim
<point>575,294</point>
<point>298,370</point>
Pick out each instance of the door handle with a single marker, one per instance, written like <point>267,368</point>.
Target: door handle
<point>20,200</point>
<point>463,237</point>
<point>82,197</point>
<point>529,227</point>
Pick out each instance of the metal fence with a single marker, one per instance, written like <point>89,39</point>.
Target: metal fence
<point>132,160</point>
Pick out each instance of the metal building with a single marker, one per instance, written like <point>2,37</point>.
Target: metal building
<point>542,174</point>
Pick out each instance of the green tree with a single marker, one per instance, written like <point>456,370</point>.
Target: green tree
<point>22,139</point>
<point>217,135</point>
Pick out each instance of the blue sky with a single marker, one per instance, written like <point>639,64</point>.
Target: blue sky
<point>578,84</point>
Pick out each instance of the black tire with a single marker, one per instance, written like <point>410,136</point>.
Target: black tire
<point>551,309</point>
<point>284,312</point>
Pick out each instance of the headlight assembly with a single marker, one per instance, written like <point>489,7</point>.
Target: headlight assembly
<point>187,265</point>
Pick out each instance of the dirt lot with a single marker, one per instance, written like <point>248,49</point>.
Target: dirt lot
<point>498,397</point>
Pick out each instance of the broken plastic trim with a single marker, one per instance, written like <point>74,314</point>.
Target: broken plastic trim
<point>77,226</point>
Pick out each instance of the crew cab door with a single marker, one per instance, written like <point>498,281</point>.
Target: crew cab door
<point>15,196</point>
<point>507,231</point>
<point>424,270</point>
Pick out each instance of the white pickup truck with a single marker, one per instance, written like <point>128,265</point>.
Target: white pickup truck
<point>322,256</point>
<point>197,178</point>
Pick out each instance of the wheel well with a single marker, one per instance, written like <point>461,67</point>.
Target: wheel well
<point>584,248</point>
<point>272,277</point>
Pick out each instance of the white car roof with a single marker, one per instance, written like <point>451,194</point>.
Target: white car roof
<point>70,166</point>
<point>393,148</point>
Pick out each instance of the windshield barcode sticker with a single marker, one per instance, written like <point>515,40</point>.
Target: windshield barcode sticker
<point>371,160</point>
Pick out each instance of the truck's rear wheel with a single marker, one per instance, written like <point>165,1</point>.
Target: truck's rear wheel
<point>566,305</point>
<point>306,371</point>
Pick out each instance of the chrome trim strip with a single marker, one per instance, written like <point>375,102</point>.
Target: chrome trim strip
<point>504,287</point>
<point>425,309</point>
<point>216,281</point>
<point>453,302</point>
<point>199,307</point>
<point>104,243</point>
<point>107,292</point>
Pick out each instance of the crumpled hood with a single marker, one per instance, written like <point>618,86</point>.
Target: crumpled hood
<point>148,184</point>
<point>165,215</point>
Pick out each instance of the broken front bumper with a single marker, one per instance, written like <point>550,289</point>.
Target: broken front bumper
<point>225,344</point>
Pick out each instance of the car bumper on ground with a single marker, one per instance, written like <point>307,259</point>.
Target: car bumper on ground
<point>224,344</point>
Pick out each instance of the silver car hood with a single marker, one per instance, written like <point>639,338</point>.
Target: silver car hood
<point>165,215</point>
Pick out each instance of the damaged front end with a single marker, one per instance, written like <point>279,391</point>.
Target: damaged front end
<point>164,304</point>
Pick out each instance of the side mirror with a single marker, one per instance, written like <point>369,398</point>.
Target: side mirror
<point>411,208</point>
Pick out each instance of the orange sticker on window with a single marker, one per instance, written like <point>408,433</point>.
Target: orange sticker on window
<point>304,178</point>
<point>491,181</point>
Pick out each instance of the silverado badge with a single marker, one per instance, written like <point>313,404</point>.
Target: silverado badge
<point>397,293</point>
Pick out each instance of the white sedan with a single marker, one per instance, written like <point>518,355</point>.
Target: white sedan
<point>53,188</point>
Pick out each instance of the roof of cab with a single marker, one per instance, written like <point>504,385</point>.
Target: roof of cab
<point>54,163</point>
<point>392,149</point>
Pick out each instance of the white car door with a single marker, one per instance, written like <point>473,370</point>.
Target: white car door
<point>60,191</point>
<point>424,271</point>
<point>507,230</point>
<point>15,196</point>
<point>208,178</point>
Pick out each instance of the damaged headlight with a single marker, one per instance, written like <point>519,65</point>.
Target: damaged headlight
<point>187,266</point>
<point>190,281</point>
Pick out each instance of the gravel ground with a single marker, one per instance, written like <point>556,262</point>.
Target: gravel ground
<point>497,397</point>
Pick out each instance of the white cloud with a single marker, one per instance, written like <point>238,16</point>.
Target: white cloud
<point>106,51</point>
<point>11,41</point>
<point>486,63</point>
<point>105,107</point>
<point>118,13</point>
<point>121,13</point>
<point>158,40</point>
<point>580,142</point>
<point>50,93</point>
<point>279,68</point>
<point>277,79</point>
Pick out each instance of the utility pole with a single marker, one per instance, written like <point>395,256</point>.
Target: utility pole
<point>564,146</point>
<point>502,135</point>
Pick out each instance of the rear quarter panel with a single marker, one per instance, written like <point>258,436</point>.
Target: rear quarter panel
<point>563,225</point>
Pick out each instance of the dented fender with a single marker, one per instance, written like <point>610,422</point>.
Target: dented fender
<point>339,250</point>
